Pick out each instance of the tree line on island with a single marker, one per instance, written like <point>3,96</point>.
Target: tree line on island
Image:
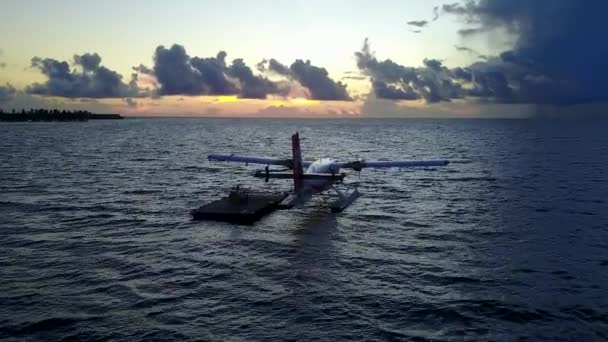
<point>42,114</point>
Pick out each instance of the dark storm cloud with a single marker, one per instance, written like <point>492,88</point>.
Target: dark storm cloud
<point>179,74</point>
<point>557,57</point>
<point>489,80</point>
<point>315,79</point>
<point>92,81</point>
<point>252,86</point>
<point>175,74</point>
<point>89,62</point>
<point>418,23</point>
<point>394,92</point>
<point>7,93</point>
<point>212,73</point>
<point>274,65</point>
<point>390,80</point>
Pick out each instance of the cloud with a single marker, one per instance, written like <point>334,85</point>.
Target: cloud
<point>142,69</point>
<point>87,79</point>
<point>556,58</point>
<point>435,13</point>
<point>314,79</point>
<point>179,74</point>
<point>389,91</point>
<point>7,93</point>
<point>212,73</point>
<point>418,23</point>
<point>89,62</point>
<point>390,80</point>
<point>467,49</point>
<point>252,86</point>
<point>2,64</point>
<point>456,8</point>
<point>317,80</point>
<point>176,73</point>
<point>464,49</point>
<point>424,23</point>
<point>277,67</point>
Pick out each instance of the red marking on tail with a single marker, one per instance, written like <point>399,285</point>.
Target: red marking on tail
<point>298,170</point>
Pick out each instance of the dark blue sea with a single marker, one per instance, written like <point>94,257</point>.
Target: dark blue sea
<point>508,242</point>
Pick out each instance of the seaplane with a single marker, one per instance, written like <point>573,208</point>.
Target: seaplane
<point>316,177</point>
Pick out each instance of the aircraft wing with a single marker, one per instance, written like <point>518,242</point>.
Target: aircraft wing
<point>254,160</point>
<point>361,164</point>
<point>249,159</point>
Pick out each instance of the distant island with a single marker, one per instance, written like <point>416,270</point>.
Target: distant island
<point>54,115</point>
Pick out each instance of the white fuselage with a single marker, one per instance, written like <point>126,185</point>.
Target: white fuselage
<point>323,165</point>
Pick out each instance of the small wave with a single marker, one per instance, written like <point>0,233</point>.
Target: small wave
<point>441,237</point>
<point>447,280</point>
<point>445,313</point>
<point>524,270</point>
<point>54,207</point>
<point>18,205</point>
<point>144,159</point>
<point>501,310</point>
<point>586,314</point>
<point>455,179</point>
<point>46,324</point>
<point>141,192</point>
<point>415,224</point>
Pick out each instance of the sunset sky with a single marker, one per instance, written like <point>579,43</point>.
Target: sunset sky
<point>301,58</point>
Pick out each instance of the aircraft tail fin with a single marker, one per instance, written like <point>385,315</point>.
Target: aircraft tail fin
<point>298,169</point>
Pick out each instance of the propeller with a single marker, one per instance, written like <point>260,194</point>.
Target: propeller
<point>356,165</point>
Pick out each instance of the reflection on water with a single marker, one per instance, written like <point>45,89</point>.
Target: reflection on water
<point>507,242</point>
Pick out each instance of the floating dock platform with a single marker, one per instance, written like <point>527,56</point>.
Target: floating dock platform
<point>239,207</point>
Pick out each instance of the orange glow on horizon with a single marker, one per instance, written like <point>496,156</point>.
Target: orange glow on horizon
<point>227,98</point>
<point>273,101</point>
<point>304,101</point>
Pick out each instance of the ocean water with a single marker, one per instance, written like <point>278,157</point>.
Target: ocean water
<point>508,242</point>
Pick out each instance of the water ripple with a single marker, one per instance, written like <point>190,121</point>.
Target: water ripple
<point>505,243</point>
